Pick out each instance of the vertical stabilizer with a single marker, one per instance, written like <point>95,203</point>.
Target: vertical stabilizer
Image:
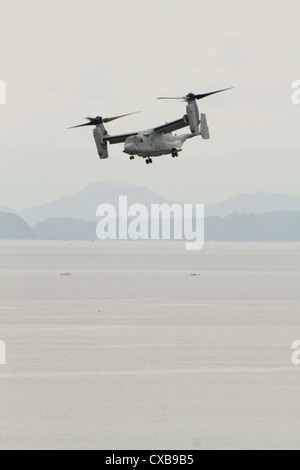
<point>204,131</point>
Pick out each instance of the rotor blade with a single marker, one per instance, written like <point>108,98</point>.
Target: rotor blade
<point>118,117</point>
<point>192,96</point>
<point>171,98</point>
<point>81,125</point>
<point>204,95</point>
<point>99,120</point>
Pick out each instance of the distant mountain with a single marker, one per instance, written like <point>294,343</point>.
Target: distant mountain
<point>258,203</point>
<point>6,209</point>
<point>271,227</point>
<point>12,227</point>
<point>65,229</point>
<point>281,226</point>
<point>83,205</point>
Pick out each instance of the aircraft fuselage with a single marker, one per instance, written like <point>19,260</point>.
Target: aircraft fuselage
<point>154,144</point>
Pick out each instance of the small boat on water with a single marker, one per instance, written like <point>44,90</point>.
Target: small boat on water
<point>65,274</point>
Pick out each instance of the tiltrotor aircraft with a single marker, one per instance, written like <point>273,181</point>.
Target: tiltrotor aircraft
<point>158,140</point>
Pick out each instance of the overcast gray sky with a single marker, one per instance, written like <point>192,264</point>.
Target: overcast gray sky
<point>63,60</point>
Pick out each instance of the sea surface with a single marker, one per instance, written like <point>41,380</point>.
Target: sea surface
<point>144,345</point>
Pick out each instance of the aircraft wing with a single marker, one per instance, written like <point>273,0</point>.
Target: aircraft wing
<point>117,139</point>
<point>164,129</point>
<point>172,126</point>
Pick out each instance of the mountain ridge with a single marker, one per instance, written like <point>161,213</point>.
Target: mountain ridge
<point>281,226</point>
<point>83,204</point>
<point>13,227</point>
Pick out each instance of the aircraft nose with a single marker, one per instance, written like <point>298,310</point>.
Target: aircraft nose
<point>129,147</point>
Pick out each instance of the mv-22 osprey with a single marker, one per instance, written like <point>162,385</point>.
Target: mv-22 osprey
<point>158,140</point>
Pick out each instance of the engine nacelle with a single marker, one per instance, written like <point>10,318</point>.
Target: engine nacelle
<point>100,143</point>
<point>193,117</point>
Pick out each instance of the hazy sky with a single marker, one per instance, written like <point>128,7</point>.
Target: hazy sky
<point>63,60</point>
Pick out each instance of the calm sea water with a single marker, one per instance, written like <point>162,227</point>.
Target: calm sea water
<point>132,351</point>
